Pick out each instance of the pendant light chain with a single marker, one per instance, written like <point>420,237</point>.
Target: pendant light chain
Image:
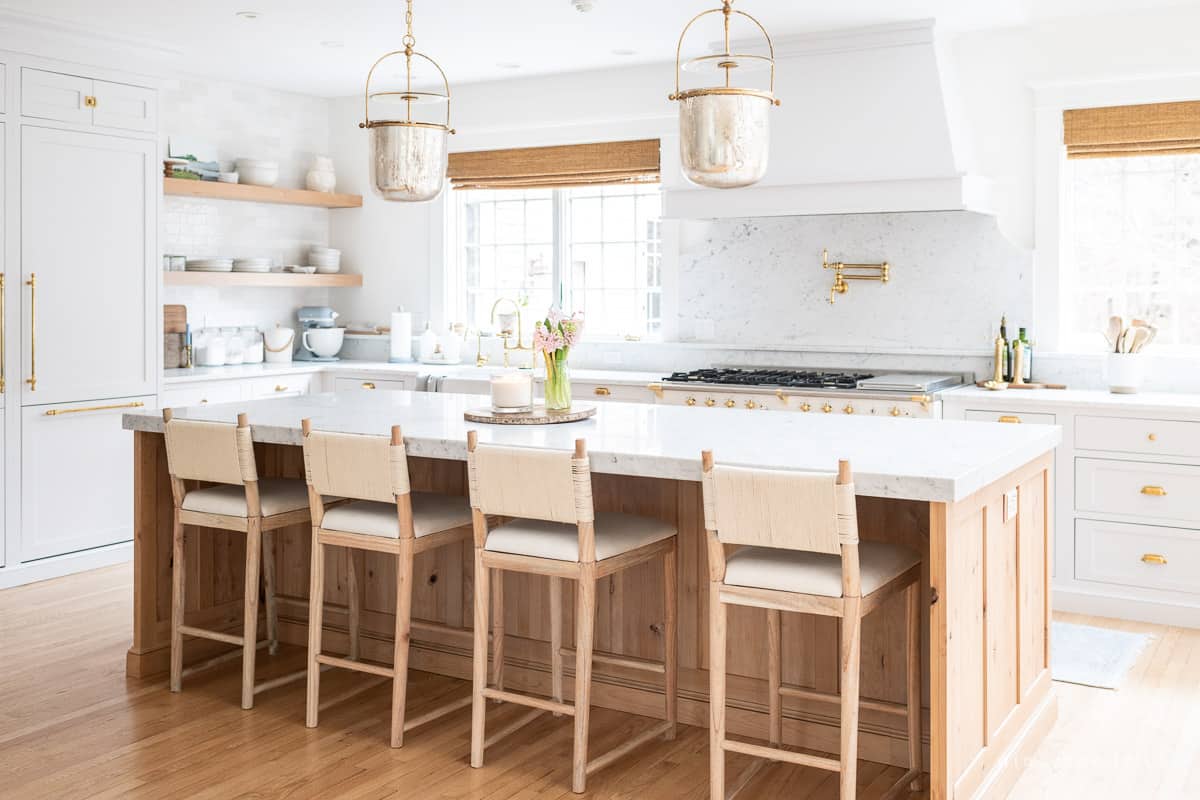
<point>408,40</point>
<point>409,43</point>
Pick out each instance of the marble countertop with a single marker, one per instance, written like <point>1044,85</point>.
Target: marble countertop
<point>1167,402</point>
<point>928,460</point>
<point>176,376</point>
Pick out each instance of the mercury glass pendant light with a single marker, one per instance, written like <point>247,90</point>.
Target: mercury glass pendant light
<point>724,129</point>
<point>408,156</point>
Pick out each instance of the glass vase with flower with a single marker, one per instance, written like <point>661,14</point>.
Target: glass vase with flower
<point>553,338</point>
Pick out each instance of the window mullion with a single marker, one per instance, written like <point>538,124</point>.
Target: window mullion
<point>561,277</point>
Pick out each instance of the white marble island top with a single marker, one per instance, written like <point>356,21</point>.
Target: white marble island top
<point>929,460</point>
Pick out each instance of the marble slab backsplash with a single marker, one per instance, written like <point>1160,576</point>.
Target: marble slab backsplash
<point>758,282</point>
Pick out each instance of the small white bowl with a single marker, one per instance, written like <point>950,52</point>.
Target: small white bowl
<point>257,173</point>
<point>324,251</point>
<point>227,177</point>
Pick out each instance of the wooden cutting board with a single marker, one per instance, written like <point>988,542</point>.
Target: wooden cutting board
<point>174,319</point>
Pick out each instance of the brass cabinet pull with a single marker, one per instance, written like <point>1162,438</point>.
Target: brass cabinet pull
<point>368,385</point>
<point>1154,491</point>
<point>54,412</point>
<point>1,333</point>
<point>280,388</point>
<point>1010,418</point>
<point>602,391</point>
<point>90,101</point>
<point>32,284</point>
<point>1153,558</point>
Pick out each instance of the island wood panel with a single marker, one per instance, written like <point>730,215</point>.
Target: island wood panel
<point>978,653</point>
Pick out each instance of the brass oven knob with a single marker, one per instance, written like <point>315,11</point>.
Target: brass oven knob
<point>751,404</point>
<point>849,409</point>
<point>691,401</point>
<point>827,408</point>
<point>895,412</point>
<point>710,402</point>
<point>805,407</point>
<point>730,403</point>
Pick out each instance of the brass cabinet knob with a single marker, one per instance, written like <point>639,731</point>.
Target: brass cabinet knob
<point>730,403</point>
<point>1154,558</point>
<point>895,412</point>
<point>1153,437</point>
<point>90,101</point>
<point>710,402</point>
<point>368,385</point>
<point>691,401</point>
<point>805,407</point>
<point>827,408</point>
<point>849,409</point>
<point>750,404</point>
<point>602,391</point>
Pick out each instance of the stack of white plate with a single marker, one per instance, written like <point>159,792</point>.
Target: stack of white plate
<point>252,265</point>
<point>326,259</point>
<point>209,265</point>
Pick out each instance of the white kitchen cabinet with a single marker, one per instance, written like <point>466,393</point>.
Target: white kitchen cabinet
<point>622,392</point>
<point>293,385</point>
<point>3,87</point>
<point>3,490</point>
<point>1147,557</point>
<point>342,383</point>
<point>76,477</point>
<point>200,393</point>
<point>88,216</point>
<point>83,101</point>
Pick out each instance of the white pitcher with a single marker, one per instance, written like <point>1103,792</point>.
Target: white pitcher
<point>321,178</point>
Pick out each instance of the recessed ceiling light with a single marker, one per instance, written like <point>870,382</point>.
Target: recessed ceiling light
<point>331,44</point>
<point>583,6</point>
<point>624,51</point>
<point>247,14</point>
<point>508,65</point>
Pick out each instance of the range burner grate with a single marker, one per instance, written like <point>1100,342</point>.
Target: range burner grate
<point>786,378</point>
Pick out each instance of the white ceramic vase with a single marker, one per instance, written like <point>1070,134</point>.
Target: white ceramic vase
<point>321,178</point>
<point>1123,372</point>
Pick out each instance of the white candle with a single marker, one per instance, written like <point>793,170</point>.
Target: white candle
<point>512,391</point>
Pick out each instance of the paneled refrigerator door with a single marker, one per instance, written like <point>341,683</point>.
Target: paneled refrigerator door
<point>76,477</point>
<point>88,278</point>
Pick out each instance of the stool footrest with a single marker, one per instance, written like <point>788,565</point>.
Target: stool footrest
<point>529,700</point>
<point>282,680</point>
<point>627,662</point>
<point>882,706</point>
<point>216,636</point>
<point>600,762</point>
<point>777,754</point>
<point>437,713</point>
<point>513,727</point>
<point>357,666</point>
<point>901,787</point>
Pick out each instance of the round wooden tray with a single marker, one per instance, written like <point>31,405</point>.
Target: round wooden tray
<point>538,416</point>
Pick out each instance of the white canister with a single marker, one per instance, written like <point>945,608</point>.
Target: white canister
<point>252,342</point>
<point>321,178</point>
<point>235,348</point>
<point>1123,372</point>
<point>278,343</point>
<point>213,352</point>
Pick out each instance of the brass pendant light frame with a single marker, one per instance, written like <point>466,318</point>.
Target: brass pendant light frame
<point>409,95</point>
<point>728,11</point>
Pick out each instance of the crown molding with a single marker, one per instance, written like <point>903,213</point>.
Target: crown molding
<point>20,32</point>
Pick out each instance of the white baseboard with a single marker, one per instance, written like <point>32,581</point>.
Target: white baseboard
<point>44,569</point>
<point>1103,605</point>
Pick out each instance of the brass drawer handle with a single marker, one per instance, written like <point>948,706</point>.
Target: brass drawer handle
<point>280,387</point>
<point>602,391</point>
<point>32,284</point>
<point>1154,491</point>
<point>368,385</point>
<point>1010,418</point>
<point>1153,558</point>
<point>54,412</point>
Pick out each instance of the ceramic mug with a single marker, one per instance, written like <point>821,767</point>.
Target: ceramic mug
<point>323,342</point>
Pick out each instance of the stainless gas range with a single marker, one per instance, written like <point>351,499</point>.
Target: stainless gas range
<point>907,394</point>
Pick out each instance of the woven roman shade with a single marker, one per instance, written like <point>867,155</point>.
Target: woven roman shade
<point>559,166</point>
<point>1115,131</point>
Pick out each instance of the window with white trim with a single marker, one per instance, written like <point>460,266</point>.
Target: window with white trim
<point>595,249</point>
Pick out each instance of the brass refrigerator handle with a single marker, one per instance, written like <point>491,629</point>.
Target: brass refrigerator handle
<point>54,412</point>
<point>32,284</point>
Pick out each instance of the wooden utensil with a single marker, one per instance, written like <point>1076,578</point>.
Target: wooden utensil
<point>1113,334</point>
<point>174,319</point>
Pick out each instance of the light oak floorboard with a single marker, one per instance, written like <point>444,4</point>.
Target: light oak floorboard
<point>73,726</point>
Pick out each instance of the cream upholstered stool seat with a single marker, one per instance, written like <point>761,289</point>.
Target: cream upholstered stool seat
<point>385,516</point>
<point>616,533</point>
<point>816,573</point>
<point>798,550</point>
<point>223,454</point>
<point>555,531</point>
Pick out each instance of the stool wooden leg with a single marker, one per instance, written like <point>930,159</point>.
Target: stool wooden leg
<point>404,575</point>
<point>355,602</point>
<point>498,628</point>
<point>316,610</point>
<point>556,626</point>
<point>851,655</point>
<point>716,692</point>
<point>250,626</point>
<point>585,626</point>
<point>670,639</point>
<point>268,571</point>
<point>913,625</point>
<point>480,658</point>
<point>775,674</point>
<point>178,582</point>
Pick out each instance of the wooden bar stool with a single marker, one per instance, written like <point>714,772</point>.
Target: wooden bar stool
<point>223,454</point>
<point>384,517</point>
<point>554,531</point>
<point>800,552</point>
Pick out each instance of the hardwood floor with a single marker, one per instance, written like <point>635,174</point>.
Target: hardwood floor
<point>73,726</point>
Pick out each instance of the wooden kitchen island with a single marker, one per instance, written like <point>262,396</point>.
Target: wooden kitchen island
<point>972,498</point>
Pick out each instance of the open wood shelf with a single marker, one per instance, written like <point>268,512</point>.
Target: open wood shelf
<point>259,194</point>
<point>278,280</point>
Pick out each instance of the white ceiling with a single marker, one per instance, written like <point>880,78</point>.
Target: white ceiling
<point>470,38</point>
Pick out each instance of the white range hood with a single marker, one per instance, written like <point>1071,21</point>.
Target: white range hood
<point>867,125</point>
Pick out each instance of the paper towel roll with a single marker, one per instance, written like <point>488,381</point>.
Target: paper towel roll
<point>401,337</point>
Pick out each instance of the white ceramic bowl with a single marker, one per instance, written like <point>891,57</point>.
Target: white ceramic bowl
<point>323,342</point>
<point>257,173</point>
<point>227,177</point>
<point>326,251</point>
